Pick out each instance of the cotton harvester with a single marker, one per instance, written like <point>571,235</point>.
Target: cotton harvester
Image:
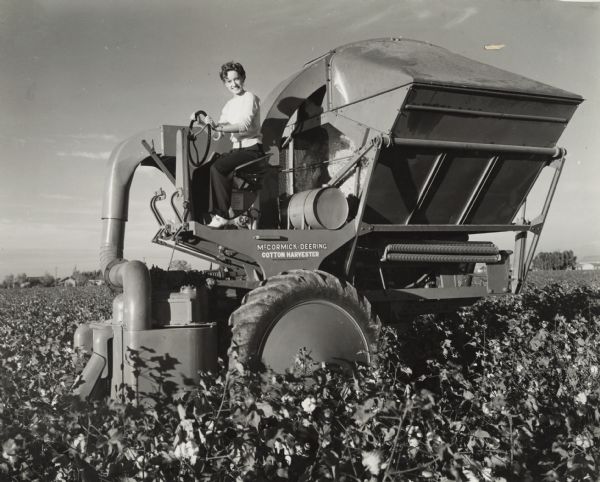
<point>384,158</point>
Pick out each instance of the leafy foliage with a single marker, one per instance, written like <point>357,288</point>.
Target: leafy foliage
<point>555,260</point>
<point>568,278</point>
<point>82,277</point>
<point>505,390</point>
<point>179,265</point>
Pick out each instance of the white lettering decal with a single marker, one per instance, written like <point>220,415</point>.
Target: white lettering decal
<point>290,250</point>
<point>289,254</point>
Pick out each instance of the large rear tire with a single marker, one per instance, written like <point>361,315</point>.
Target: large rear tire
<point>303,309</point>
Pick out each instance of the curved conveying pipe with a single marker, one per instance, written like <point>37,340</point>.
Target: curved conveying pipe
<point>132,276</point>
<point>123,162</point>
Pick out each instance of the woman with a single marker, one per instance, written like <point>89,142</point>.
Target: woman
<point>240,117</point>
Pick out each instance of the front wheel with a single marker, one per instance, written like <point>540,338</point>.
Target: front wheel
<point>304,309</point>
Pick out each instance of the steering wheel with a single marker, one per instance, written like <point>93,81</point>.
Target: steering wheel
<point>198,118</point>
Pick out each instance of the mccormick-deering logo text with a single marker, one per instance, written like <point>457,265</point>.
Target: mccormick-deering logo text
<point>291,250</point>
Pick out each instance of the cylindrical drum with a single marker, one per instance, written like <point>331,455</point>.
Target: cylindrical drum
<point>323,208</point>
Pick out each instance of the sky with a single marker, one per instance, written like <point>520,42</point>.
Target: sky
<point>78,76</point>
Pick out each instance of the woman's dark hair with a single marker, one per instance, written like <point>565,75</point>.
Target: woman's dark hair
<point>235,66</point>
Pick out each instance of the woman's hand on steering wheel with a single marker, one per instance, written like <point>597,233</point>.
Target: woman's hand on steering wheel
<point>208,120</point>
<point>202,117</point>
<point>217,133</point>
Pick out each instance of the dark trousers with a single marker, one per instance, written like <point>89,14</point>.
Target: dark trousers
<point>221,177</point>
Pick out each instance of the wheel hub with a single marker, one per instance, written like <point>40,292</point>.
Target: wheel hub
<point>327,331</point>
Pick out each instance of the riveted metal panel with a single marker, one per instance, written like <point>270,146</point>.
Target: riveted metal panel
<point>398,181</point>
<point>370,67</point>
<point>174,355</point>
<point>445,114</point>
<point>504,194</point>
<point>286,98</point>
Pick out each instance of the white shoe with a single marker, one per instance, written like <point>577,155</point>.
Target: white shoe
<point>218,222</point>
<point>241,222</point>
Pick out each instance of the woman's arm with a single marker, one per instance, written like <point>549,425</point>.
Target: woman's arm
<point>247,112</point>
<point>229,128</point>
<point>222,126</point>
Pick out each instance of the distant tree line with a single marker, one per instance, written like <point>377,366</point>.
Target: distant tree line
<point>179,265</point>
<point>555,260</point>
<point>22,280</point>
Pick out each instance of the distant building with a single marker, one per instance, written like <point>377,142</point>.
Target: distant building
<point>31,281</point>
<point>95,282</point>
<point>69,282</point>
<point>587,265</point>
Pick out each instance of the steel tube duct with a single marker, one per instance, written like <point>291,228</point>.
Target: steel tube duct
<point>123,162</point>
<point>132,276</point>
<point>553,152</point>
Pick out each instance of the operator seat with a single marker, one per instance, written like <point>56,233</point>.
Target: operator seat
<point>247,189</point>
<point>250,173</point>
